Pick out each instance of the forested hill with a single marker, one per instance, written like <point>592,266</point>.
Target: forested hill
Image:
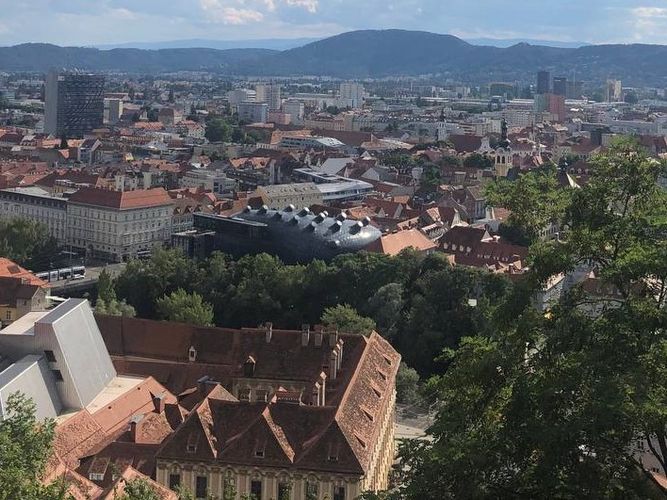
<point>366,54</point>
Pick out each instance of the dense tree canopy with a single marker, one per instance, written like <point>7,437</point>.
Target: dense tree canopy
<point>28,243</point>
<point>184,307</point>
<point>25,447</point>
<point>551,406</point>
<point>346,319</point>
<point>418,302</point>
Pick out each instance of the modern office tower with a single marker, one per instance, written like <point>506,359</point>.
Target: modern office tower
<point>560,85</point>
<point>74,103</point>
<point>613,91</point>
<point>253,112</point>
<point>352,94</point>
<point>543,82</point>
<point>295,109</point>
<point>574,90</point>
<point>114,110</point>
<point>270,94</point>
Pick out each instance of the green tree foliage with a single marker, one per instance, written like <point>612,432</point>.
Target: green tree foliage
<point>105,287</point>
<point>27,243</point>
<point>144,281</point>
<point>25,447</point>
<point>418,302</point>
<point>550,406</point>
<point>218,130</point>
<point>184,307</point>
<point>115,308</point>
<point>385,308</point>
<point>534,201</point>
<point>139,489</point>
<point>346,319</point>
<point>407,385</point>
<point>477,160</point>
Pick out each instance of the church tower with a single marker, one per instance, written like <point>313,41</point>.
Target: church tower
<point>503,153</point>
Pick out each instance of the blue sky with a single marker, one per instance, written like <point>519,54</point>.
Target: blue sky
<point>88,22</point>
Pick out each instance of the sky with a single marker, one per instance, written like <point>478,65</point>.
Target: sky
<point>92,22</point>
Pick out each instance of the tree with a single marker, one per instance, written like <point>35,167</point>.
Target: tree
<point>631,98</point>
<point>28,243</point>
<point>550,406</point>
<point>407,385</point>
<point>115,308</point>
<point>346,319</point>
<point>139,489</point>
<point>385,308</point>
<point>218,130</point>
<point>25,447</point>
<point>185,307</point>
<point>477,160</point>
<point>534,200</point>
<point>105,287</point>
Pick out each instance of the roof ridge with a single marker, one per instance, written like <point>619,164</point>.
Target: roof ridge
<point>279,434</point>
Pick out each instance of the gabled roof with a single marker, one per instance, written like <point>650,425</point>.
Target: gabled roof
<point>121,200</point>
<point>394,243</point>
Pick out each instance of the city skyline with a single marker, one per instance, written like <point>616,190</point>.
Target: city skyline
<point>122,21</point>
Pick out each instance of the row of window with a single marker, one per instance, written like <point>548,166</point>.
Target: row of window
<point>256,488</point>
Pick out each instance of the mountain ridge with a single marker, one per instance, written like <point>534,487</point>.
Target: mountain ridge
<point>365,54</point>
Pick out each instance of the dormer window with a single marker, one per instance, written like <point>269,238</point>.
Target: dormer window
<point>249,367</point>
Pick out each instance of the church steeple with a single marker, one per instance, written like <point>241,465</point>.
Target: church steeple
<point>504,141</point>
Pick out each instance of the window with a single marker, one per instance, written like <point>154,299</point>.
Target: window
<point>50,356</point>
<point>57,375</point>
<point>311,490</point>
<point>201,487</point>
<point>284,490</point>
<point>256,489</point>
<point>8,315</point>
<point>174,481</point>
<point>261,395</point>
<point>339,493</point>
<point>244,394</point>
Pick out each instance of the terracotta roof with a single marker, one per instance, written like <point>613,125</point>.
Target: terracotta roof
<point>465,143</point>
<point>394,243</point>
<point>289,433</point>
<point>121,200</point>
<point>9,269</point>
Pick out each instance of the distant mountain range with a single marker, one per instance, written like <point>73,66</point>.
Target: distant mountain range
<point>267,43</point>
<point>508,42</point>
<point>365,54</point>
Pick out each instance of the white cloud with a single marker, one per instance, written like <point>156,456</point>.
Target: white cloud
<point>220,12</point>
<point>309,5</point>
<point>648,22</point>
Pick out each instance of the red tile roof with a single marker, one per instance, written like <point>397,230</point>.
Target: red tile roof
<point>121,200</point>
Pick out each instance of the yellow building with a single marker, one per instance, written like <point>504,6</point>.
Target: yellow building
<point>20,292</point>
<point>276,414</point>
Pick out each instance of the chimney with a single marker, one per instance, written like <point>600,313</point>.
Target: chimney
<point>202,384</point>
<point>323,388</point>
<point>305,334</point>
<point>135,422</point>
<point>318,336</point>
<point>333,338</point>
<point>268,328</point>
<point>333,365</point>
<point>158,403</point>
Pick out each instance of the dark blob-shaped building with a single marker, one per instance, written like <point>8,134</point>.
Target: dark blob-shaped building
<point>291,234</point>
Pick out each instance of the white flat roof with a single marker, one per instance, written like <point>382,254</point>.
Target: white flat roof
<point>25,325</point>
<point>117,387</point>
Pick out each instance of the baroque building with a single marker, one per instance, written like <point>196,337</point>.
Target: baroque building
<point>276,414</point>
